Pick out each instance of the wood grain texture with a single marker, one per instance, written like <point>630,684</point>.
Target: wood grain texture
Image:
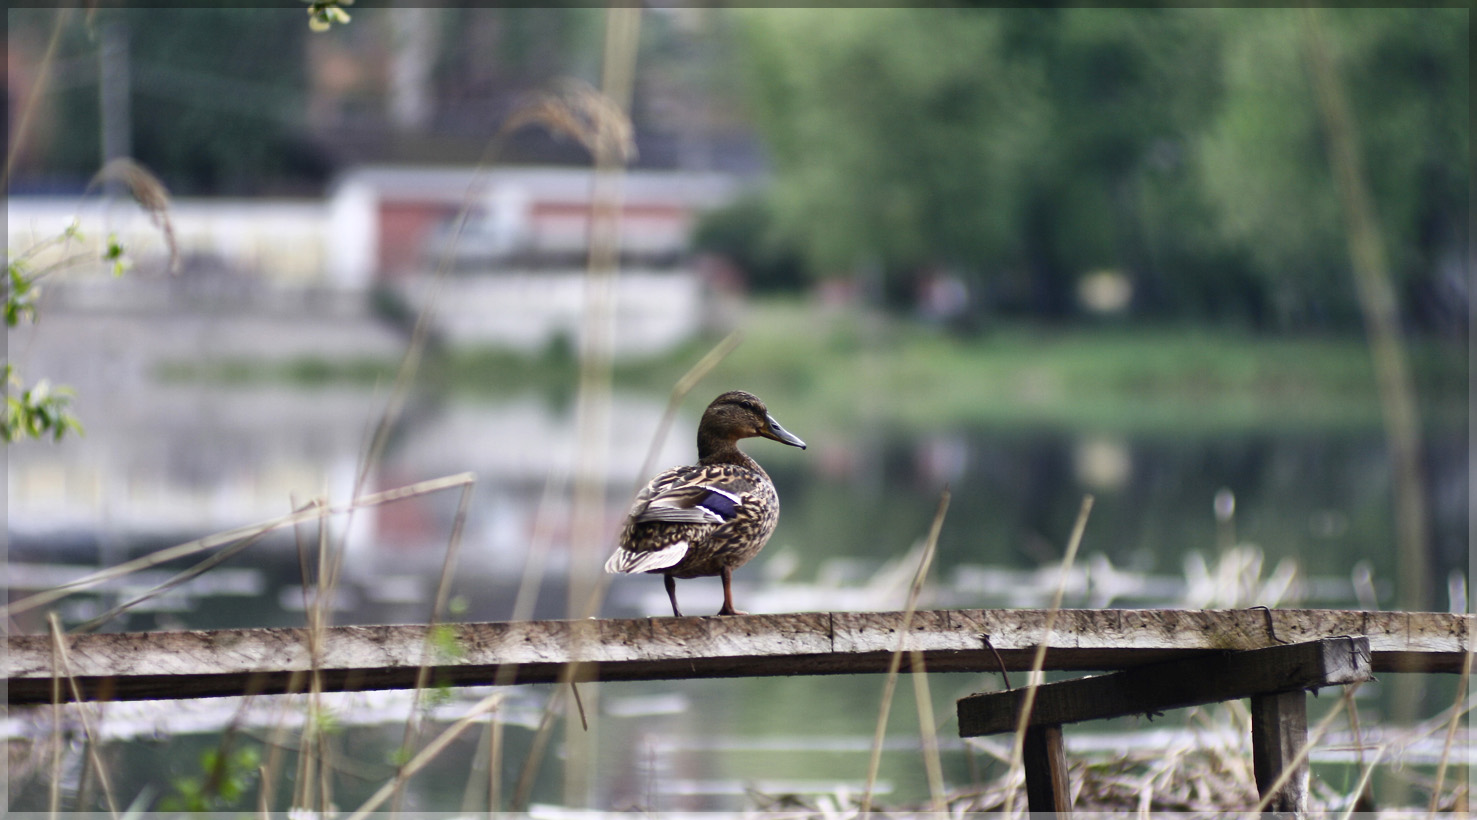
<point>136,666</point>
<point>1152,688</point>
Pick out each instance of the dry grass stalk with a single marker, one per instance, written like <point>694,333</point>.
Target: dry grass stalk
<point>430,648</point>
<point>63,670</point>
<point>1366,772</point>
<point>684,385</point>
<point>180,578</point>
<point>1034,678</point>
<point>1370,266</point>
<point>313,777</point>
<point>54,796</point>
<point>426,755</point>
<point>533,568</point>
<point>149,192</point>
<point>1451,728</point>
<point>524,788</point>
<point>928,733</point>
<point>576,110</point>
<point>38,91</point>
<point>889,685</point>
<point>228,537</point>
<point>601,126</point>
<point>600,120</point>
<point>471,793</point>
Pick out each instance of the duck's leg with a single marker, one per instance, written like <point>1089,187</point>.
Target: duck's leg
<point>728,594</point>
<point>672,593</point>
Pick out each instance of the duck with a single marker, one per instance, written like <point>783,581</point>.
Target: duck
<point>711,517</point>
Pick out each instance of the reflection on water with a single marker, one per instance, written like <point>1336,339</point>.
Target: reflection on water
<point>186,461</point>
<point>1311,526</point>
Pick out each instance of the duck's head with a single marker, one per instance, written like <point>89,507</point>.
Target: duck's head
<point>736,415</point>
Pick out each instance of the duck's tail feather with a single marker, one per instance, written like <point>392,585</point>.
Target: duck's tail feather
<point>626,560</point>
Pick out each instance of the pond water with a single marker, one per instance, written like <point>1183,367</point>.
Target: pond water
<point>1305,522</point>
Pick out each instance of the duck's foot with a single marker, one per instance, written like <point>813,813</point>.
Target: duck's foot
<point>728,610</point>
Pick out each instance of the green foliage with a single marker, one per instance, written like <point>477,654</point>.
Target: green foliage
<point>327,722</point>
<point>744,232</point>
<point>1264,164</point>
<point>322,14</point>
<point>1025,147</point>
<point>399,756</point>
<point>208,111</point>
<point>444,644</point>
<point>20,294</point>
<point>37,411</point>
<point>42,410</point>
<point>114,255</point>
<point>224,779</point>
<point>438,694</point>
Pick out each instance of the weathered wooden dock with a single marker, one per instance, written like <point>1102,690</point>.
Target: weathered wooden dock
<point>169,665</point>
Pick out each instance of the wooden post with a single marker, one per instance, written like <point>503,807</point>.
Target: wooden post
<point>1279,731</point>
<point>1045,762</point>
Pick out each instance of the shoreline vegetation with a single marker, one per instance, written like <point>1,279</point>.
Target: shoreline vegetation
<point>1165,378</point>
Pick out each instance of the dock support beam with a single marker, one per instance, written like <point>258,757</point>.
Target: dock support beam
<point>1275,678</point>
<point>1045,762</point>
<point>1279,731</point>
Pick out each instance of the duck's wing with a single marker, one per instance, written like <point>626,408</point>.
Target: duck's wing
<point>679,508</point>
<point>690,504</point>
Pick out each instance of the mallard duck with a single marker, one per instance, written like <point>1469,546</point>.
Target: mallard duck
<point>712,517</point>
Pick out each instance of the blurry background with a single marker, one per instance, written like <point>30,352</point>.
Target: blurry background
<point>1025,254</point>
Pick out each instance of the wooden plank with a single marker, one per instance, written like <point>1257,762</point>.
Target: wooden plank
<point>265,661</point>
<point>1045,763</point>
<point>1172,685</point>
<point>1279,730</point>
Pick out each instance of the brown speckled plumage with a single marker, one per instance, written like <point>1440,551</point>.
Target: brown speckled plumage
<point>712,517</point>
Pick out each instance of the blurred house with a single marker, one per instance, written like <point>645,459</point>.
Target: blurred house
<point>515,265</point>
<point>392,221</point>
<point>514,243</point>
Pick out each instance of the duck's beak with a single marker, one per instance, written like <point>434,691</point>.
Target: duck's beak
<point>780,434</point>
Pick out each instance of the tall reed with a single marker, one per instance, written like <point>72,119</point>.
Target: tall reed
<point>889,685</point>
<point>1035,677</point>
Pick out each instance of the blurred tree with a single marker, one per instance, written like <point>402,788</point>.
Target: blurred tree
<point>207,111</point>
<point>1017,143</point>
<point>1267,176</point>
<point>744,233</point>
<point>1026,147</point>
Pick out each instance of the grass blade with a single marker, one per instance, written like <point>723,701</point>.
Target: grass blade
<point>1034,678</point>
<point>228,537</point>
<point>1451,728</point>
<point>874,763</point>
<point>426,755</point>
<point>59,649</point>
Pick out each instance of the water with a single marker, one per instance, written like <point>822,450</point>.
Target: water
<point>165,463</point>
